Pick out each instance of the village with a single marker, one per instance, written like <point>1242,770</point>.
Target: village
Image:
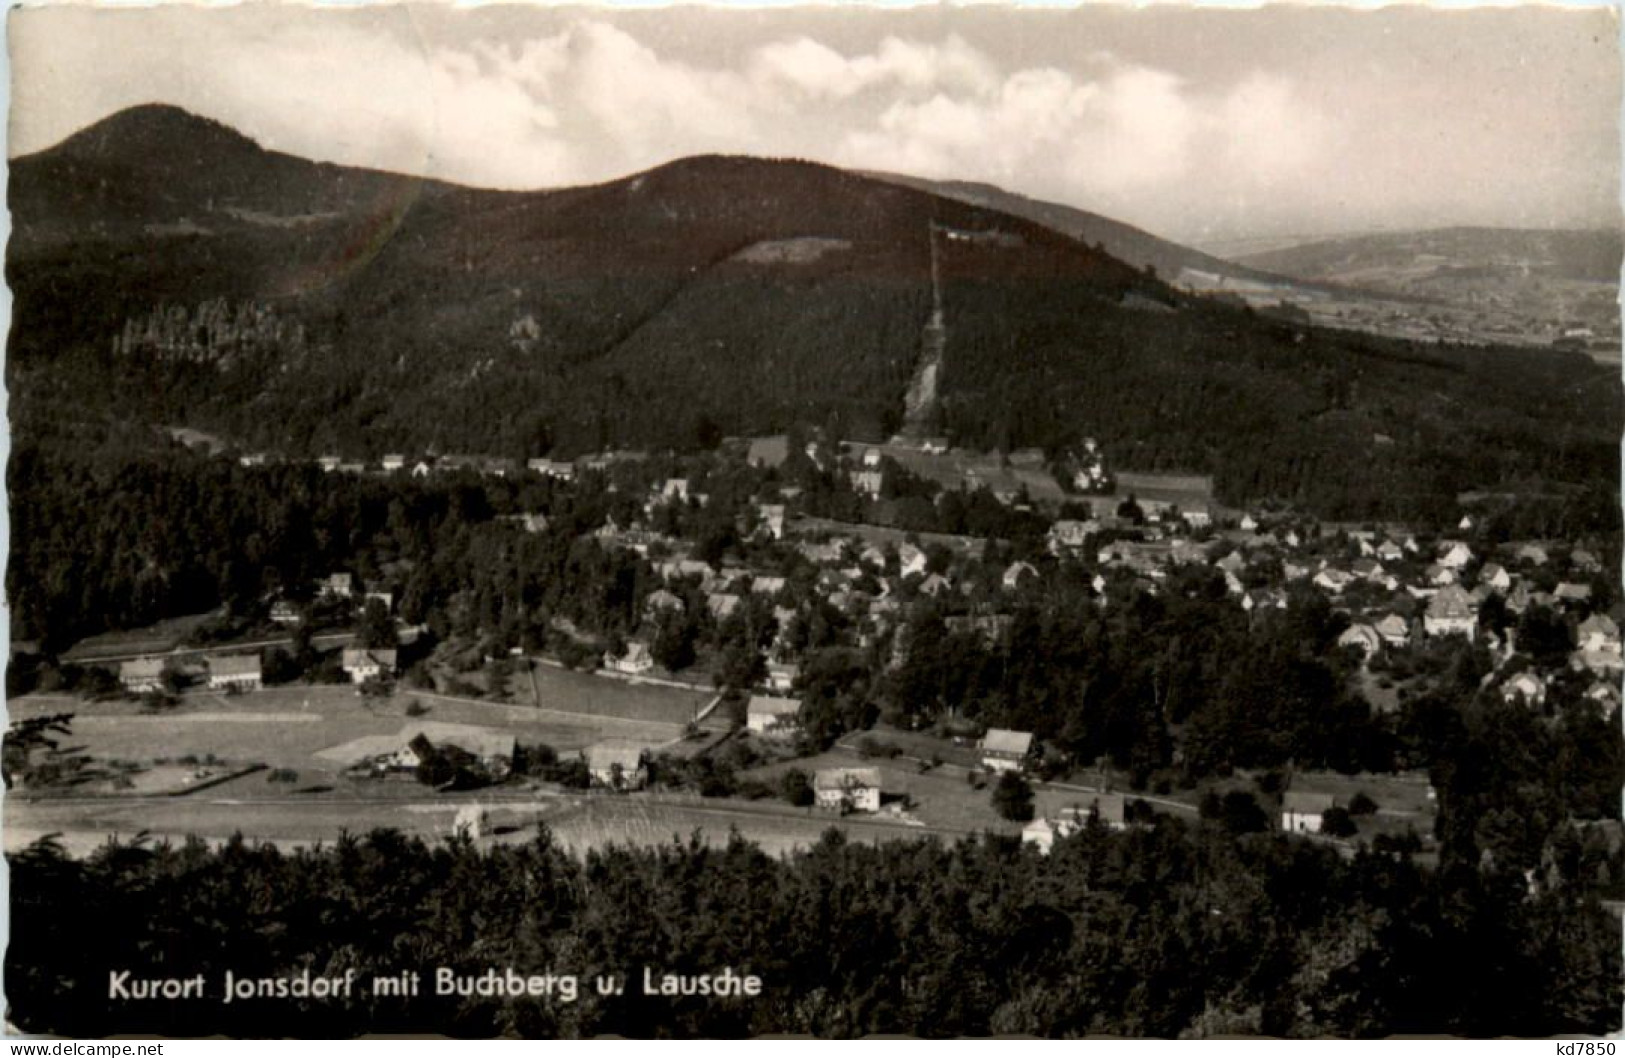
<point>636,737</point>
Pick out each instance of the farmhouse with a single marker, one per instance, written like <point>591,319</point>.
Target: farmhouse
<point>1004,750</point>
<point>284,612</point>
<point>782,675</point>
<point>1526,686</point>
<point>142,675</point>
<point>772,716</point>
<point>235,672</point>
<point>617,764</point>
<point>635,661</point>
<point>362,664</point>
<point>868,482</point>
<point>558,469</point>
<point>494,750</point>
<point>337,585</point>
<point>392,462</point>
<point>847,789</point>
<point>1302,813</point>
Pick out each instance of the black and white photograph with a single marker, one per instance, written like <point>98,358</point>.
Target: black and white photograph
<point>711,522</point>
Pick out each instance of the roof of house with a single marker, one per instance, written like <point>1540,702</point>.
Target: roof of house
<point>356,656</point>
<point>1600,624</point>
<point>604,755</point>
<point>234,665</point>
<point>1452,602</point>
<point>1000,740</point>
<point>846,778</point>
<point>763,705</point>
<point>1292,801</point>
<point>483,742</point>
<point>141,667</point>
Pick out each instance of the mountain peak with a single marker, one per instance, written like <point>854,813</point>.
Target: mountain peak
<point>153,128</point>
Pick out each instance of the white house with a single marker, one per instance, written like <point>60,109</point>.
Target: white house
<point>1303,813</point>
<point>1495,575</point>
<point>1527,686</point>
<point>284,612</point>
<point>847,789</point>
<point>337,586</point>
<point>772,716</point>
<point>392,462</point>
<point>782,675</point>
<point>1451,612</point>
<point>1453,554</point>
<point>910,560</point>
<point>618,764</point>
<point>636,661</point>
<point>142,675</point>
<point>362,664</point>
<point>1004,750</point>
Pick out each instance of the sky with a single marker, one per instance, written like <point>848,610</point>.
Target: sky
<point>1203,125</point>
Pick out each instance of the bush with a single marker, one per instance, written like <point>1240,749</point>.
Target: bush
<point>416,708</point>
<point>1013,798</point>
<point>1362,805</point>
<point>871,747</point>
<point>1337,822</point>
<point>795,786</point>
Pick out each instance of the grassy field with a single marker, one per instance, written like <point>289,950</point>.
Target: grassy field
<point>579,692</point>
<point>288,727</point>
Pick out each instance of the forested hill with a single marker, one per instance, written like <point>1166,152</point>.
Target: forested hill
<point>168,269</point>
<point>1123,241</point>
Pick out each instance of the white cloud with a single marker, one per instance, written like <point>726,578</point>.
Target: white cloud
<point>1177,144</point>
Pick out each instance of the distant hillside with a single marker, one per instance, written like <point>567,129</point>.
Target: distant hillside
<point>1587,255</point>
<point>1123,241</point>
<point>1536,287</point>
<point>167,269</point>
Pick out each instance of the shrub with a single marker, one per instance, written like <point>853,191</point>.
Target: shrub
<point>1361,804</point>
<point>795,786</point>
<point>1013,798</point>
<point>1337,822</point>
<point>416,708</point>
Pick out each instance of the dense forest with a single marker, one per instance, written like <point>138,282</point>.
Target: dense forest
<point>1175,930</point>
